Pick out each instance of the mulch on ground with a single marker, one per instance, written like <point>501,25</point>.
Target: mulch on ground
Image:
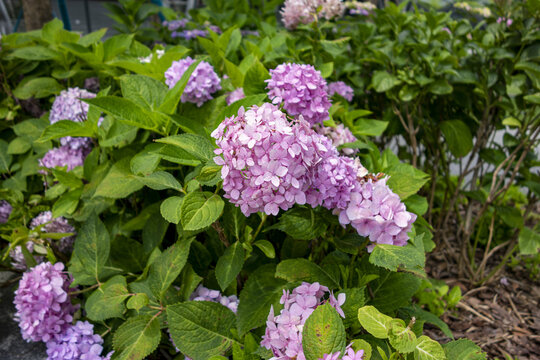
<point>502,317</point>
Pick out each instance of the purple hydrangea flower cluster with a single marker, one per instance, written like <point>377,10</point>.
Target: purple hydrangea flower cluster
<point>339,135</point>
<point>44,309</point>
<point>283,333</point>
<point>296,12</point>
<point>342,89</point>
<point>64,156</point>
<point>56,225</point>
<point>77,342</point>
<point>204,294</point>
<point>361,8</point>
<point>350,354</point>
<point>266,159</point>
<point>190,34</point>
<point>5,211</point>
<point>235,95</point>
<point>202,83</point>
<point>68,106</point>
<point>249,33</point>
<point>17,258</point>
<point>378,213</point>
<point>503,20</point>
<point>174,25</point>
<point>301,89</point>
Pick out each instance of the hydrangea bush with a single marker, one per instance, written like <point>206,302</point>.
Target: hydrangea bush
<point>226,194</point>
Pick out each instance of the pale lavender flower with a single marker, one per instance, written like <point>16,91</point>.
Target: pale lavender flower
<point>92,84</point>
<point>56,225</point>
<point>78,342</point>
<point>352,355</point>
<point>202,83</point>
<point>331,9</point>
<point>339,135</point>
<point>266,160</point>
<point>44,309</point>
<point>342,89</point>
<point>68,106</point>
<point>65,156</point>
<point>377,212</point>
<point>235,95</point>
<point>301,89</point>
<point>174,25</point>
<point>5,211</point>
<point>17,258</point>
<point>361,8</point>
<point>190,34</point>
<point>503,20</point>
<point>204,294</point>
<point>283,333</point>
<point>296,12</point>
<point>334,356</point>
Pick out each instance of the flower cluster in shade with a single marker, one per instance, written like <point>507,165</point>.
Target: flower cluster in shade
<point>482,11</point>
<point>269,163</point>
<point>44,310</point>
<point>235,95</point>
<point>302,91</point>
<point>174,25</point>
<point>5,211</point>
<point>283,335</point>
<point>503,20</point>
<point>201,85</point>
<point>266,159</point>
<point>296,12</point>
<point>339,135</point>
<point>204,294</point>
<point>73,150</point>
<point>342,89</point>
<point>361,8</point>
<point>77,342</point>
<point>349,354</point>
<point>50,225</point>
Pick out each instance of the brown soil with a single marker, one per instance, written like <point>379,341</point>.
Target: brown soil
<point>502,317</point>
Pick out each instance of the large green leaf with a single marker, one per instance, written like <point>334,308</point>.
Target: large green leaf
<point>5,158</point>
<point>428,349</point>
<point>261,291</point>
<point>229,264</point>
<point>200,209</point>
<point>160,180</point>
<point>166,268</point>
<point>529,241</point>
<point>67,128</point>
<point>119,182</point>
<point>463,349</point>
<point>392,257</point>
<point>201,329</point>
<point>405,180</point>
<point>171,209</point>
<point>137,338</point>
<point>305,270</point>
<point>457,136</point>
<point>199,147</point>
<point>301,223</point>
<point>375,322</point>
<point>401,337</point>
<point>107,301</point>
<point>323,333</point>
<point>37,87</point>
<point>143,90</point>
<point>393,290</point>
<point>91,251</point>
<point>383,81</point>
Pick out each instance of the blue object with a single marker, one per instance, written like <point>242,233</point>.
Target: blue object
<point>159,3</point>
<point>63,12</point>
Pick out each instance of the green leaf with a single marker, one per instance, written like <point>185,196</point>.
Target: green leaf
<point>119,182</point>
<point>91,249</point>
<point>108,300</point>
<point>533,99</point>
<point>171,209</point>
<point>172,98</point>
<point>199,147</point>
<point>367,127</point>
<point>375,322</point>
<point>511,216</point>
<point>266,247</point>
<point>359,344</point>
<point>200,209</point>
<point>137,301</point>
<point>304,270</point>
<point>166,268</point>
<point>145,91</point>
<point>301,223</point>
<point>457,136</point>
<point>37,87</point>
<point>116,45</point>
<point>201,329</point>
<point>137,338</point>
<point>401,337</point>
<point>393,290</point>
<point>405,180</point>
<point>441,87</point>
<point>161,180</point>
<point>428,317</point>
<point>428,349</point>
<point>323,333</point>
<point>254,79</point>
<point>19,145</point>
<point>67,128</point>
<point>393,257</point>
<point>529,241</point>
<point>5,158</point>
<point>463,349</point>
<point>35,53</point>
<point>146,161</point>
<point>229,265</point>
<point>355,299</point>
<point>209,175</point>
<point>511,121</point>
<point>261,291</point>
<point>383,81</point>
<point>67,203</point>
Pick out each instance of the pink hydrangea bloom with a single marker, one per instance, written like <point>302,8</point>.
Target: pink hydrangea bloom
<point>204,294</point>
<point>77,342</point>
<point>283,333</point>
<point>377,212</point>
<point>5,211</point>
<point>56,225</point>
<point>201,85</point>
<point>301,89</point>
<point>235,95</point>
<point>339,135</point>
<point>44,309</point>
<point>296,12</point>
<point>266,159</point>
<point>342,89</point>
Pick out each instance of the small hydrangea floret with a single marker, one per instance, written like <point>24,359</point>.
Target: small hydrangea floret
<point>342,89</point>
